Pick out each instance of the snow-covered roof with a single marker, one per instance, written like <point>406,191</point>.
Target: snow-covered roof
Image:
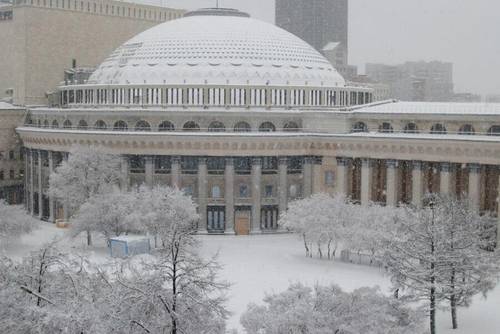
<point>331,46</point>
<point>397,107</point>
<point>208,47</point>
<point>8,106</point>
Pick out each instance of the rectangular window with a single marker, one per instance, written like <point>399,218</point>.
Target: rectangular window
<point>163,165</point>
<point>12,174</point>
<point>216,218</point>
<point>137,165</point>
<point>268,191</point>
<point>269,217</point>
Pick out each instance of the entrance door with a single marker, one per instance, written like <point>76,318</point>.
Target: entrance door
<point>242,222</point>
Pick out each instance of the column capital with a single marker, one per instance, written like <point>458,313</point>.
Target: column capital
<point>149,158</point>
<point>392,163</point>
<point>256,161</point>
<point>229,161</point>
<point>176,159</point>
<point>309,160</point>
<point>474,168</point>
<point>282,160</point>
<point>417,165</point>
<point>342,161</point>
<point>367,162</point>
<point>318,160</point>
<point>446,167</point>
<point>202,160</point>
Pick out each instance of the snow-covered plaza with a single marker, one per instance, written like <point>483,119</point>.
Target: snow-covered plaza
<point>263,264</point>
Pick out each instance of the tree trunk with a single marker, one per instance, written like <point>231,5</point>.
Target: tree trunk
<point>89,238</point>
<point>320,252</point>
<point>305,244</point>
<point>432,313</point>
<point>453,301</point>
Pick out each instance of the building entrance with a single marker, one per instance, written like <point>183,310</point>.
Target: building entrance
<point>242,222</point>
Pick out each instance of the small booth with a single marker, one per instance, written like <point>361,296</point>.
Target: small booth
<point>125,246</point>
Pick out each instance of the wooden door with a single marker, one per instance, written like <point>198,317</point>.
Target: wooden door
<point>242,223</point>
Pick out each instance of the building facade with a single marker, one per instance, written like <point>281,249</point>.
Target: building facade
<point>33,34</point>
<point>318,22</point>
<point>11,155</point>
<point>246,125</point>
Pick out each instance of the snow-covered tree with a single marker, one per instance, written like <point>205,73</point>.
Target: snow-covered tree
<point>469,267</point>
<point>13,221</point>
<point>327,310</point>
<point>178,292</point>
<point>50,292</point>
<point>107,214</point>
<point>88,172</point>
<point>320,220</point>
<point>162,210</point>
<point>413,257</point>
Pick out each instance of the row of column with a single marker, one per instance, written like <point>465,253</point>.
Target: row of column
<point>31,188</point>
<point>417,167</point>
<point>392,166</point>
<point>310,185</point>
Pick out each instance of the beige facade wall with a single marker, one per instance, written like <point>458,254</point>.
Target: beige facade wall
<point>41,42</point>
<point>10,142</point>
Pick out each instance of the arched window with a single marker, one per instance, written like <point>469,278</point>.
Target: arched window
<point>100,125</point>
<point>216,193</point>
<point>242,127</point>
<point>438,129</point>
<point>267,127</point>
<point>466,129</point>
<point>142,126</point>
<point>191,126</point>
<point>386,128</point>
<point>55,124</point>
<point>411,128</point>
<point>120,126</point>
<point>67,124</point>
<point>359,127</point>
<point>82,125</point>
<point>291,127</point>
<point>166,126</point>
<point>46,124</point>
<point>216,127</point>
<point>494,130</point>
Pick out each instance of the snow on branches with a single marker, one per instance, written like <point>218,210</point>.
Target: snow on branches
<point>328,309</point>
<point>13,221</point>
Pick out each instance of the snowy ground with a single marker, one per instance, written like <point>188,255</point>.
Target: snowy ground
<point>269,263</point>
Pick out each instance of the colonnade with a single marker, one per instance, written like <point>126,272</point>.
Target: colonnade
<point>39,165</point>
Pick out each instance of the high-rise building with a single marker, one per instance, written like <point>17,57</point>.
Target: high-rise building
<point>33,33</point>
<point>416,81</point>
<point>318,22</point>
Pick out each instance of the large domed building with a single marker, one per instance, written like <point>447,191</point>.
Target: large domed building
<point>246,117</point>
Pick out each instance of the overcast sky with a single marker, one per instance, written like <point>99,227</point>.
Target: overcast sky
<point>465,32</point>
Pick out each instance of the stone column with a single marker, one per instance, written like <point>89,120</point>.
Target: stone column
<point>475,185</point>
<point>307,176</point>
<point>445,186</point>
<point>202,193</point>
<point>498,215</point>
<point>124,182</point>
<point>342,186</point>
<point>417,184</point>
<point>52,206</point>
<point>229,195</point>
<point>40,186</point>
<point>366,181</point>
<point>256,195</point>
<point>149,170</point>
<point>392,183</point>
<point>65,204</point>
<point>26,180</point>
<point>32,183</point>
<point>283,183</point>
<point>316,175</point>
<point>176,172</point>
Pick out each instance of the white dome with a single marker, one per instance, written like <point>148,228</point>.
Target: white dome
<point>216,47</point>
